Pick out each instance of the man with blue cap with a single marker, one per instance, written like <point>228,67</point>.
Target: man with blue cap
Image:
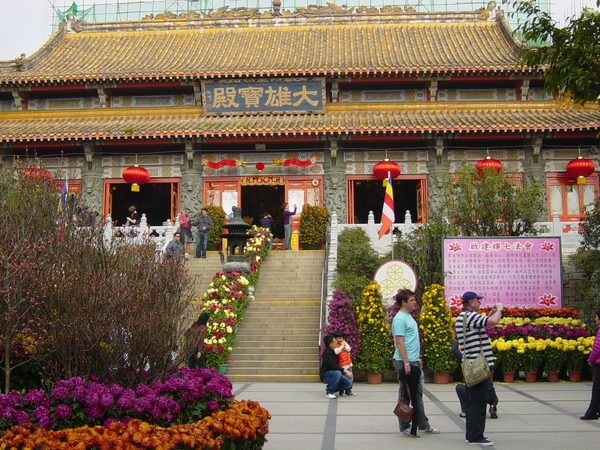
<point>473,341</point>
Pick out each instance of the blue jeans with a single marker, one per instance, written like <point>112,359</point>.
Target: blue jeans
<point>288,236</point>
<point>336,382</point>
<point>201,246</point>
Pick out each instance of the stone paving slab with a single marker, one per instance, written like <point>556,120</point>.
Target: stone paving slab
<point>540,415</point>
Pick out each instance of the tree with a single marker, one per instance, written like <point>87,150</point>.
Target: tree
<point>571,62</point>
<point>28,208</point>
<point>77,304</point>
<point>490,203</point>
<point>587,261</point>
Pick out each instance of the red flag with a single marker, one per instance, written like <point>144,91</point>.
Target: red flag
<point>387,215</point>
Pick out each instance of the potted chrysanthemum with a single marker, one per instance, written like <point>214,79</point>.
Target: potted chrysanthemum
<point>437,334</point>
<point>373,335</point>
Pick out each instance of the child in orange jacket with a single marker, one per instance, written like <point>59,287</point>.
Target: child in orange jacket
<point>344,360</point>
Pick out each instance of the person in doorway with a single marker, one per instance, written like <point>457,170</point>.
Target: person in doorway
<point>342,351</point>
<point>174,248</point>
<point>185,227</point>
<point>287,224</point>
<point>204,224</point>
<point>335,377</point>
<point>408,364</point>
<point>134,217</point>
<point>461,389</point>
<point>474,342</point>
<point>195,340</point>
<point>267,222</point>
<point>593,411</point>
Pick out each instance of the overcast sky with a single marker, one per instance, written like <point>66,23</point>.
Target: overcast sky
<point>26,24</point>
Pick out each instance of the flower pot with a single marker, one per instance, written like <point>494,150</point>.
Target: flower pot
<point>374,378</point>
<point>530,377</point>
<point>574,376</point>
<point>553,377</point>
<point>441,378</point>
<point>223,368</point>
<point>508,377</point>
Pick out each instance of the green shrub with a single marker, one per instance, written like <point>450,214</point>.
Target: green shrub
<point>218,217</point>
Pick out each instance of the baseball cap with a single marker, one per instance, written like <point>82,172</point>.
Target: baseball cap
<point>468,296</point>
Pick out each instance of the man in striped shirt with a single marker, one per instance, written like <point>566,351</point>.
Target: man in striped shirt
<point>474,340</point>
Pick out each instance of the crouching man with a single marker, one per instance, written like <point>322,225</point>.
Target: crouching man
<point>334,376</point>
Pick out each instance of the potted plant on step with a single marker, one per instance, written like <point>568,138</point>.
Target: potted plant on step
<point>313,223</point>
<point>373,335</point>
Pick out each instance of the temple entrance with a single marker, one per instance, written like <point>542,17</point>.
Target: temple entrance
<point>156,200</point>
<point>367,195</point>
<point>258,199</point>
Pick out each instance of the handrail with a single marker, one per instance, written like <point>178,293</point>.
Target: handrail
<point>324,272</point>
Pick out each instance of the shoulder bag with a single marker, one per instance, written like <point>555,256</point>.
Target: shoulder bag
<point>402,410</point>
<point>477,371</point>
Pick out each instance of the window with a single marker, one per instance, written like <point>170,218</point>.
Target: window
<point>568,198</point>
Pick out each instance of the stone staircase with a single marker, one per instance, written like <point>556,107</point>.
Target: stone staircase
<point>203,270</point>
<point>278,338</point>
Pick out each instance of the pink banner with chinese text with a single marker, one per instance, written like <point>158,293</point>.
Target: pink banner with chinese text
<point>519,272</point>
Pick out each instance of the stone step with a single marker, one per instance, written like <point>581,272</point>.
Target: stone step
<point>308,324</point>
<point>256,366</point>
<point>275,354</point>
<point>233,370</point>
<point>266,342</point>
<point>272,378</point>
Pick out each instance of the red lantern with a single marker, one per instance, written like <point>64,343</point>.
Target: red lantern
<point>260,166</point>
<point>36,173</point>
<point>580,168</point>
<point>381,169</point>
<point>488,163</point>
<point>136,175</point>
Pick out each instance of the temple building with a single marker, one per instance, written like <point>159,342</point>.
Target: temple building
<point>249,108</point>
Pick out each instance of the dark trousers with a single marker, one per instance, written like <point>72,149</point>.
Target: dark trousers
<point>594,407</point>
<point>461,392</point>
<point>196,363</point>
<point>412,381</point>
<point>477,400</point>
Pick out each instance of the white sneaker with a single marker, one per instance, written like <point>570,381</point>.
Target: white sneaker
<point>330,396</point>
<point>186,256</point>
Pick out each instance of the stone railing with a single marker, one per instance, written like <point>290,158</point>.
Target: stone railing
<point>131,235</point>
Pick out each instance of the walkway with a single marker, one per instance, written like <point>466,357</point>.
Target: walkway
<point>542,415</point>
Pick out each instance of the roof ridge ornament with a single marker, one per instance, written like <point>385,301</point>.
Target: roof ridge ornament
<point>72,24</point>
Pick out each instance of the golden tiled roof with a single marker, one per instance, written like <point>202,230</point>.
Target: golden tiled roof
<point>373,119</point>
<point>230,46</point>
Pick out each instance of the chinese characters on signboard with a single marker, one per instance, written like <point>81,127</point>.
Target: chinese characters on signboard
<point>298,95</point>
<point>519,272</point>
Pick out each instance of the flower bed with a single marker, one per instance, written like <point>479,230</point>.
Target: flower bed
<point>192,408</point>
<point>244,425</point>
<point>226,300</point>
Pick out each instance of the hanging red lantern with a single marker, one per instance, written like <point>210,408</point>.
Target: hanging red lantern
<point>136,175</point>
<point>36,173</point>
<point>260,166</point>
<point>381,169</point>
<point>488,163</point>
<point>580,168</point>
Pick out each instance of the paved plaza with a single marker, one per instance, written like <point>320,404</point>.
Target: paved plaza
<point>537,415</point>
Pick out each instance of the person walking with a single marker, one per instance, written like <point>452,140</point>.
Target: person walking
<point>204,224</point>
<point>335,377</point>
<point>267,222</point>
<point>195,340</point>
<point>404,325</point>
<point>593,410</point>
<point>474,342</point>
<point>287,224</point>
<point>185,228</point>
<point>174,248</point>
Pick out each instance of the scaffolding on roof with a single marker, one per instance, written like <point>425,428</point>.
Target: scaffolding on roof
<point>132,10</point>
